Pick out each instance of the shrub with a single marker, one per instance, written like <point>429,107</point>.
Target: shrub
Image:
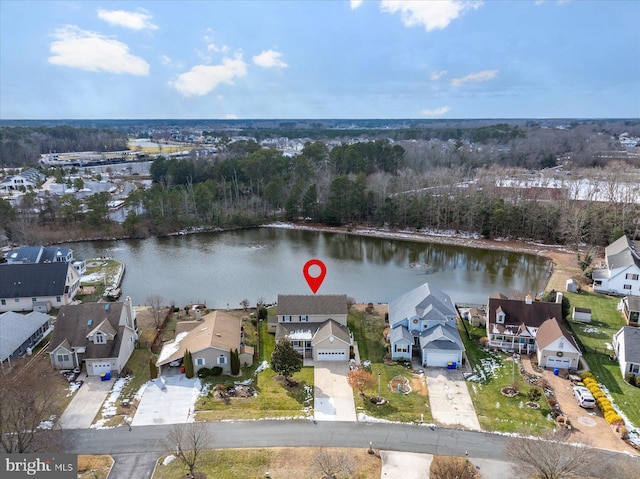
<point>630,378</point>
<point>598,394</point>
<point>587,374</point>
<point>262,313</point>
<point>613,418</point>
<point>216,371</point>
<point>203,373</point>
<point>534,394</point>
<point>637,381</point>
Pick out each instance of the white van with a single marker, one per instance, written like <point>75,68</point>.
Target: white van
<point>584,397</point>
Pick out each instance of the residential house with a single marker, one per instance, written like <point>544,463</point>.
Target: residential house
<point>512,324</point>
<point>19,334</point>
<point>26,180</point>
<point>37,286</point>
<point>626,344</point>
<point>316,325</point>
<point>556,347</point>
<point>98,337</point>
<point>423,322</point>
<point>621,273</point>
<point>631,310</point>
<point>39,254</point>
<point>210,341</point>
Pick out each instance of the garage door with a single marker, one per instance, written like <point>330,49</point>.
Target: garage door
<point>441,359</point>
<point>99,368</point>
<point>331,355</point>
<point>556,362</point>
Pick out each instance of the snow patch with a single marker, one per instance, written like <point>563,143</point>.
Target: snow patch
<point>169,348</point>
<point>167,460</point>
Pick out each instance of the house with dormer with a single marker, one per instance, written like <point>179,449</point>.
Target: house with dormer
<point>316,325</point>
<point>95,337</point>
<point>27,180</point>
<point>621,271</point>
<point>423,323</point>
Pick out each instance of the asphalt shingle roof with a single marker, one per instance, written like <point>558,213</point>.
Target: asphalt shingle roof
<point>38,279</point>
<point>316,304</point>
<point>631,343</point>
<point>425,302</point>
<point>16,328</point>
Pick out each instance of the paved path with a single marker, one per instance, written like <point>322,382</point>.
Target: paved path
<point>168,403</point>
<point>86,403</point>
<point>333,397</point>
<point>449,398</point>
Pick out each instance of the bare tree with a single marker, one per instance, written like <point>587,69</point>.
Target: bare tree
<point>245,304</point>
<point>550,457</point>
<point>189,440</point>
<point>452,467</point>
<point>154,301</point>
<point>333,463</point>
<point>26,403</point>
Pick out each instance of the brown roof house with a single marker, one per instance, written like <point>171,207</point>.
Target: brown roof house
<point>316,325</point>
<point>210,341</point>
<point>556,347</point>
<point>101,336</point>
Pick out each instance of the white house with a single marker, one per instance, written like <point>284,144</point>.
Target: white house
<point>556,347</point>
<point>98,336</point>
<point>621,274</point>
<point>626,344</point>
<point>26,180</point>
<point>424,323</point>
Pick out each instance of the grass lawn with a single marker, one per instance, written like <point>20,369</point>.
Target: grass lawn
<point>280,462</point>
<point>411,407</point>
<point>367,330</point>
<point>94,467</point>
<point>495,411</point>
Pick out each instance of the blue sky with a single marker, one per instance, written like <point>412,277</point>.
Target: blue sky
<point>319,59</point>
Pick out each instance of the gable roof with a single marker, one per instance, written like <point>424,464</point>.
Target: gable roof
<point>76,321</point>
<point>441,336</point>
<point>16,328</point>
<point>216,330</point>
<point>550,331</point>
<point>623,252</point>
<point>632,302</point>
<point>399,332</point>
<point>518,313</point>
<point>37,279</point>
<point>631,343</point>
<point>289,304</point>
<point>38,254</point>
<point>331,328</point>
<point>425,302</point>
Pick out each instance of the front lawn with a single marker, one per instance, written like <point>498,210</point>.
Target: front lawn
<point>368,331</point>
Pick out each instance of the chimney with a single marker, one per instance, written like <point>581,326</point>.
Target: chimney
<point>198,318</point>
<point>528,299</point>
<point>559,298</point>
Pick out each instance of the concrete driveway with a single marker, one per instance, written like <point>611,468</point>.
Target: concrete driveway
<point>449,397</point>
<point>86,404</point>
<point>168,403</point>
<point>333,397</point>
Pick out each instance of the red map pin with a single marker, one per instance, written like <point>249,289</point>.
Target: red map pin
<point>314,282</point>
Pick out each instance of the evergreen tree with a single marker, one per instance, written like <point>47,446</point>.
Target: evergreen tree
<point>285,360</point>
<point>153,369</point>
<point>188,364</point>
<point>235,362</point>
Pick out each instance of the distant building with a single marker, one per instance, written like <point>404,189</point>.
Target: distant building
<point>39,254</point>
<point>621,274</point>
<point>26,180</point>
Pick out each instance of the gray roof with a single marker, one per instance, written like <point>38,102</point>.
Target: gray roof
<point>623,252</point>
<point>631,343</point>
<point>38,279</point>
<point>331,328</point>
<point>441,336</point>
<point>312,304</point>
<point>37,254</point>
<point>425,302</point>
<point>16,328</point>
<point>633,302</point>
<point>76,321</point>
<point>400,332</point>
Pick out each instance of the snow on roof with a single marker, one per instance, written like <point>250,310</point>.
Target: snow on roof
<point>300,334</point>
<point>170,348</point>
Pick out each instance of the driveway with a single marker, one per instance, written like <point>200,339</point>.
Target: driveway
<point>449,397</point>
<point>168,403</point>
<point>86,404</point>
<point>412,465</point>
<point>333,397</point>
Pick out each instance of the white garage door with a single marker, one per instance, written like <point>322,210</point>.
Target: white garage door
<point>332,355</point>
<point>99,368</point>
<point>441,359</point>
<point>556,362</point>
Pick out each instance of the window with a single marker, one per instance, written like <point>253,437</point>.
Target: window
<point>199,361</point>
<point>99,338</point>
<point>598,282</point>
<point>500,317</point>
<point>33,300</point>
<point>4,302</point>
<point>401,348</point>
<point>631,276</point>
<point>222,359</point>
<point>17,300</point>
<point>58,299</point>
<point>286,319</point>
<point>627,286</point>
<point>304,318</point>
<point>63,358</point>
<point>634,368</point>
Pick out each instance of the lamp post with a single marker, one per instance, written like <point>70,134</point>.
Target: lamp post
<point>378,385</point>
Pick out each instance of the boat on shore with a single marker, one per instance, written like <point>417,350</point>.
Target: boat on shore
<point>112,294</point>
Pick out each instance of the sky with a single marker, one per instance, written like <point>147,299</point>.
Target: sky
<point>329,59</point>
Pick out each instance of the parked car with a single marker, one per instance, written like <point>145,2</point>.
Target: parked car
<point>584,397</point>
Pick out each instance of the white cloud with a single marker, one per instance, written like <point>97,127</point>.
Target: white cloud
<point>230,116</point>
<point>212,47</point>
<point>269,59</point>
<point>121,18</point>
<point>477,77</point>
<point>165,60</point>
<point>355,4</point>
<point>432,14</point>
<point>436,111</point>
<point>202,79</point>
<point>94,52</point>
<point>437,75</point>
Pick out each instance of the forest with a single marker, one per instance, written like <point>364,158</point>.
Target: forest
<point>430,184</point>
